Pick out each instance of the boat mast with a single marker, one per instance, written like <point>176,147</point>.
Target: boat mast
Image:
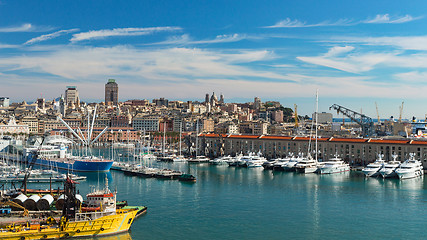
<point>197,137</point>
<point>180,136</point>
<point>317,108</point>
<point>164,141</point>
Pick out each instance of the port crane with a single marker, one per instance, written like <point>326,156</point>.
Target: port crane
<point>365,122</point>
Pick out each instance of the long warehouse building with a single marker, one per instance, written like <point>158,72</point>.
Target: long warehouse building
<point>353,150</point>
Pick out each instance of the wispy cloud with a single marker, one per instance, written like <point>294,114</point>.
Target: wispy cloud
<point>23,28</point>
<point>289,23</point>
<point>185,39</point>
<point>99,34</point>
<point>355,63</point>
<point>405,43</point>
<point>380,18</point>
<point>49,36</point>
<point>2,45</point>
<point>385,18</point>
<point>338,50</point>
<point>26,27</point>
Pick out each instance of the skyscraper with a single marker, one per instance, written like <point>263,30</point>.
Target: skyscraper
<point>71,95</point>
<point>111,92</point>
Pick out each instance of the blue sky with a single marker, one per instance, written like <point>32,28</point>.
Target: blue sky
<point>355,52</point>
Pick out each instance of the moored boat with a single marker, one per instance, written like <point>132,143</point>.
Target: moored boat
<point>334,165</point>
<point>187,178</point>
<point>373,169</point>
<point>411,168</point>
<point>107,220</point>
<point>388,171</point>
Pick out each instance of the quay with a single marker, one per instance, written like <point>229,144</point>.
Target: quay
<point>356,151</point>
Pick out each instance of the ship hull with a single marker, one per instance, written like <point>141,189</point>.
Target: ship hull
<point>107,225</point>
<point>76,165</point>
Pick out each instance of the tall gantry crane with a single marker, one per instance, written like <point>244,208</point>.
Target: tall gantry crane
<point>365,122</point>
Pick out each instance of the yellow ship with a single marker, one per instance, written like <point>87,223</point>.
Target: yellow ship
<point>99,218</point>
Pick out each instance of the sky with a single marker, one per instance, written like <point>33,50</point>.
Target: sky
<point>356,53</point>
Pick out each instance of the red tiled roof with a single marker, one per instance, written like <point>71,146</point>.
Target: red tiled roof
<point>388,141</point>
<point>276,137</point>
<point>420,142</point>
<point>354,140</point>
<point>244,136</point>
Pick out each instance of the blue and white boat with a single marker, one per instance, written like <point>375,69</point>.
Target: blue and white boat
<point>56,157</point>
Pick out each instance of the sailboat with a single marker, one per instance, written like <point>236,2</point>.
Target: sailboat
<point>197,158</point>
<point>308,164</point>
<point>180,157</point>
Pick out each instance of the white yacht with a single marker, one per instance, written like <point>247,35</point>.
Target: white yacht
<point>411,168</point>
<point>388,171</point>
<point>307,165</point>
<point>373,169</point>
<point>198,159</point>
<point>334,165</point>
<point>221,160</point>
<point>255,161</point>
<point>179,158</point>
<point>279,164</point>
<point>290,165</point>
<point>269,164</point>
<point>235,161</point>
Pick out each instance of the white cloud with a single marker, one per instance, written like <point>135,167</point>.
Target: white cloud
<point>174,64</point>
<point>412,77</point>
<point>380,18</point>
<point>338,50</point>
<point>8,46</point>
<point>99,34</point>
<point>26,27</point>
<point>385,18</point>
<point>406,43</point>
<point>23,28</point>
<point>289,23</point>
<point>185,39</point>
<point>355,63</point>
<point>49,36</point>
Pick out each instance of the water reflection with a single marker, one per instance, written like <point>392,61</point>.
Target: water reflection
<point>122,236</point>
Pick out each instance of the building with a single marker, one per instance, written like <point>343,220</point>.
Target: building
<point>277,116</point>
<point>62,107</point>
<point>51,124</point>
<point>147,123</point>
<point>41,103</point>
<point>260,128</point>
<point>352,150</point>
<point>207,125</point>
<point>161,102</point>
<point>111,92</point>
<point>257,103</point>
<point>71,95</point>
<point>323,118</point>
<point>12,128</point>
<point>32,123</point>
<point>120,121</point>
<point>4,102</point>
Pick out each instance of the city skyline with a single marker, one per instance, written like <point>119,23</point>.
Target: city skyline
<point>355,52</point>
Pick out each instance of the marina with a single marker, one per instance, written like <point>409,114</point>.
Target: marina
<point>223,195</point>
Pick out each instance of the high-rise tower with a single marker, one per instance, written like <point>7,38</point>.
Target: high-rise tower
<point>71,95</point>
<point>111,92</point>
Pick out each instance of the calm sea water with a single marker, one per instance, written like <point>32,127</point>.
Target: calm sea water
<point>239,203</point>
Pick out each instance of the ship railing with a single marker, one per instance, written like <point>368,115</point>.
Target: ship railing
<point>91,215</point>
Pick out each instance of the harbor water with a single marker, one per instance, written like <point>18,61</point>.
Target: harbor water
<point>240,203</point>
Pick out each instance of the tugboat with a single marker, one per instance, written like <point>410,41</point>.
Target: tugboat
<point>77,221</point>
